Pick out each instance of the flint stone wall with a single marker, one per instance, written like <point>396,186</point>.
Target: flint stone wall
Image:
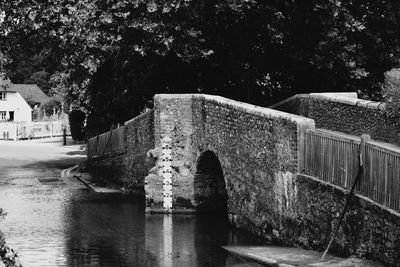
<point>258,148</point>
<point>369,230</point>
<point>109,166</point>
<point>128,168</point>
<point>259,151</point>
<point>139,139</point>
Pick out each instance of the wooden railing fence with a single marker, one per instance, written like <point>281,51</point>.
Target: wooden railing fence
<point>109,142</point>
<point>382,174</point>
<point>334,157</point>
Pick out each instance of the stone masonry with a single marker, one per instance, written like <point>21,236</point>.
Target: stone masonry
<point>247,160</point>
<point>251,143</point>
<point>345,113</point>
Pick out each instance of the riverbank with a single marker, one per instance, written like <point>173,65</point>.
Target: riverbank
<point>275,256</point>
<point>27,163</point>
<point>8,257</point>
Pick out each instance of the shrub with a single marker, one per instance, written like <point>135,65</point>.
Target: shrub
<point>391,92</point>
<point>2,242</point>
<point>8,257</point>
<point>77,124</point>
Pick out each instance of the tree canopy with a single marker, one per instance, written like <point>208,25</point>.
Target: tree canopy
<point>109,57</point>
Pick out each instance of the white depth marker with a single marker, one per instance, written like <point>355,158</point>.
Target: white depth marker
<point>167,173</point>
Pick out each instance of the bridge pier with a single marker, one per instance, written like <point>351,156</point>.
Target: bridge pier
<point>169,186</point>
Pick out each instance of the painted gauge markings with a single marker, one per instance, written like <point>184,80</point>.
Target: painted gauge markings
<point>167,173</point>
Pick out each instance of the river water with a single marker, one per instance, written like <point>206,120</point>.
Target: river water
<point>58,222</point>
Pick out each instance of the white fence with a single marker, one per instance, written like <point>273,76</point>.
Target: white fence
<point>28,130</point>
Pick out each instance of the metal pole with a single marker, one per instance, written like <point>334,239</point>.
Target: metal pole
<point>64,136</point>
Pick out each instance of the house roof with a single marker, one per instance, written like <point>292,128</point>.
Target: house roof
<point>30,92</point>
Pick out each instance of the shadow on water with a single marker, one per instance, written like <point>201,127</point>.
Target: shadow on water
<point>115,231</point>
<point>67,226</point>
<point>106,230</point>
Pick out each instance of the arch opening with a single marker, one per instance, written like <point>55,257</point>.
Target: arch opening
<point>210,193</point>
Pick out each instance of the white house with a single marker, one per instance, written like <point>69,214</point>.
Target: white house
<point>18,100</point>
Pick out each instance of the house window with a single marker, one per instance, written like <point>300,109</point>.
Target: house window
<point>3,115</point>
<point>3,96</point>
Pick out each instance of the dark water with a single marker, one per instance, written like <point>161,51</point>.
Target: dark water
<point>62,224</point>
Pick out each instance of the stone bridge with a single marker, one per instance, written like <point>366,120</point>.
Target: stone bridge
<point>203,153</point>
<point>223,154</point>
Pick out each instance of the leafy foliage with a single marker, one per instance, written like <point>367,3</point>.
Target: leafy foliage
<point>109,57</point>
<point>8,257</point>
<point>4,81</point>
<point>391,93</point>
<point>41,78</point>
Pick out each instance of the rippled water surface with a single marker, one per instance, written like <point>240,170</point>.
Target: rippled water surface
<point>60,223</point>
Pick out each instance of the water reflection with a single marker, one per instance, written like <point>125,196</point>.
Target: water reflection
<point>62,226</point>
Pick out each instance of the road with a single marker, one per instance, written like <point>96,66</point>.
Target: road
<point>30,192</point>
<point>30,160</point>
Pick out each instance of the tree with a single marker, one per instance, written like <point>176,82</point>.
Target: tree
<point>41,78</point>
<point>110,57</point>
<point>391,93</point>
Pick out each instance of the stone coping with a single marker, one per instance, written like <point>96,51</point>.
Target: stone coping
<point>337,94</point>
<point>138,117</point>
<point>249,108</point>
<point>343,98</point>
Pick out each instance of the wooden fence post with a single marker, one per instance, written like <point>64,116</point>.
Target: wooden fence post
<point>109,142</point>
<point>364,138</point>
<point>301,146</point>
<point>97,145</point>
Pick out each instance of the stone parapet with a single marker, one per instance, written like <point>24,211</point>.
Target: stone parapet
<point>345,114</point>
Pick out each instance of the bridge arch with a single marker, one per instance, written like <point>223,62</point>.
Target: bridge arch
<point>210,192</point>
